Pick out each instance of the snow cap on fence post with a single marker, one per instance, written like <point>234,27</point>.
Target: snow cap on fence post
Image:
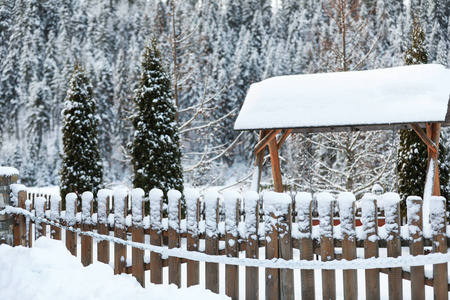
<point>14,196</point>
<point>231,205</point>
<point>251,203</point>
<point>191,196</point>
<point>413,214</point>
<point>437,214</point>
<point>346,202</point>
<point>211,210</point>
<point>137,198</point>
<point>173,210</point>
<point>276,204</point>
<point>303,209</point>
<point>391,210</point>
<point>368,214</point>
<point>55,205</point>
<point>102,198</point>
<point>119,207</point>
<point>86,207</point>
<point>39,204</point>
<point>324,205</point>
<point>71,204</point>
<point>155,197</point>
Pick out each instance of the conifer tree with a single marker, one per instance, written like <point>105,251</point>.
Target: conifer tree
<point>412,153</point>
<point>156,154</point>
<point>82,168</point>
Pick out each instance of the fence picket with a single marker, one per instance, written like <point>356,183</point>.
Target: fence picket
<point>252,246</point>
<point>231,243</point>
<point>87,250</point>
<point>415,227</point>
<point>212,240</point>
<point>192,219</point>
<point>103,198</point>
<point>438,220</point>
<point>137,203</point>
<point>120,251</point>
<point>55,210</point>
<point>370,229</point>
<point>285,250</point>
<point>174,217</point>
<point>303,208</point>
<point>41,228</point>
<point>156,197</point>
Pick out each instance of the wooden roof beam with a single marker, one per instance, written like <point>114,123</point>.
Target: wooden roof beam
<point>262,143</point>
<point>283,138</point>
<point>431,145</point>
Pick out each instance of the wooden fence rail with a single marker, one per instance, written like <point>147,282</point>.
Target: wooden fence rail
<point>284,231</point>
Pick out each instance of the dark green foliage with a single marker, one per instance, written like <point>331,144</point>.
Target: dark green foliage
<point>412,153</point>
<point>82,168</point>
<point>156,155</point>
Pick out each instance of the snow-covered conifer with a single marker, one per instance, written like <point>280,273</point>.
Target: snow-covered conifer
<point>82,168</point>
<point>156,154</point>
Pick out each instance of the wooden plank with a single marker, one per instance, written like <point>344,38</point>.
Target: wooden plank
<point>369,223</point>
<point>29,224</point>
<point>174,218</point>
<point>392,217</point>
<point>270,136</point>
<point>304,219</point>
<point>156,264</point>
<point>275,162</point>
<point>212,240</point>
<point>325,208</point>
<point>55,210</point>
<point>22,198</point>
<point>272,251</point>
<point>41,228</point>
<point>415,226</point>
<point>192,220</point>
<point>347,216</point>
<point>231,243</point>
<point>425,137</point>
<point>252,246</point>
<point>438,218</point>
<point>285,248</point>
<point>137,210</point>
<point>103,252</point>
<point>87,249</point>
<point>120,251</point>
<point>284,138</point>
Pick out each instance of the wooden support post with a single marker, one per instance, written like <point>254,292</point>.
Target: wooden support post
<point>71,221</point>
<point>8,177</point>
<point>258,165</point>
<point>394,249</point>
<point>347,216</point>
<point>192,219</point>
<point>370,227</point>
<point>270,136</point>
<point>231,243</point>
<point>433,133</point>
<point>272,251</point>
<point>212,240</point>
<point>415,226</point>
<point>120,251</point>
<point>156,196</point>
<point>103,198</point>
<point>303,208</point>
<point>275,162</point>
<point>41,227</point>
<point>325,207</point>
<point>55,210</point>
<point>174,217</point>
<point>252,247</point>
<point>285,249</point>
<point>87,249</point>
<point>438,218</point>
<point>137,203</point>
<point>283,138</point>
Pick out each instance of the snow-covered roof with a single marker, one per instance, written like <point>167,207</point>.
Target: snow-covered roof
<point>372,99</point>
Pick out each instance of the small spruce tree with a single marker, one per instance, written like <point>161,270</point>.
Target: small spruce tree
<point>412,153</point>
<point>156,154</point>
<point>82,168</point>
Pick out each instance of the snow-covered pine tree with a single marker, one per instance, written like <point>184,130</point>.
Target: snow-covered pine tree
<point>156,154</point>
<point>82,168</point>
<point>412,152</point>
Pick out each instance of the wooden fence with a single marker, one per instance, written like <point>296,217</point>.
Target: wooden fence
<point>233,225</point>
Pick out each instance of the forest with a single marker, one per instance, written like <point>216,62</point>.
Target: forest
<point>213,51</point>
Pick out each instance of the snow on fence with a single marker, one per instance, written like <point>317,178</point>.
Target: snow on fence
<point>227,227</point>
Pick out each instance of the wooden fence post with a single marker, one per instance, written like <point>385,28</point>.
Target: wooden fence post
<point>137,202</point>
<point>325,204</point>
<point>192,218</point>
<point>415,228</point>
<point>8,176</point>
<point>103,197</point>
<point>174,217</point>
<point>120,251</point>
<point>347,215</point>
<point>87,250</point>
<point>71,221</point>
<point>303,208</point>
<point>41,227</point>
<point>156,196</point>
<point>370,229</point>
<point>29,224</point>
<point>394,248</point>
<point>212,239</point>
<point>285,247</point>
<point>438,220</point>
<point>55,210</point>
<point>252,247</point>
<point>19,195</point>
<point>231,199</point>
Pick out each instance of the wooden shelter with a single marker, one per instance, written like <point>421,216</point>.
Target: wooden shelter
<point>406,97</point>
